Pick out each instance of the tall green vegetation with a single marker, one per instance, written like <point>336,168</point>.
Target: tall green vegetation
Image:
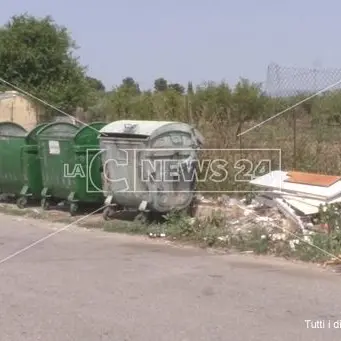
<point>38,56</point>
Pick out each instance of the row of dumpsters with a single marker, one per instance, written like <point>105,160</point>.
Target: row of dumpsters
<point>142,165</point>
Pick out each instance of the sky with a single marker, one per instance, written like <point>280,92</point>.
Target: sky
<point>198,41</point>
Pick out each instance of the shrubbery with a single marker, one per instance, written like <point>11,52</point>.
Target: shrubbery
<point>37,55</point>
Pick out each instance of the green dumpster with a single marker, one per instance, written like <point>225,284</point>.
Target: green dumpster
<point>71,164</point>
<point>12,139</point>
<point>33,184</point>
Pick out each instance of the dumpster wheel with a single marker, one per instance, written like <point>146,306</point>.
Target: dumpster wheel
<point>45,205</point>
<point>73,208</point>
<point>22,202</point>
<point>143,217</point>
<point>108,212</point>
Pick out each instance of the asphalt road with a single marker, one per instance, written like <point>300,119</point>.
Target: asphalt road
<point>90,285</point>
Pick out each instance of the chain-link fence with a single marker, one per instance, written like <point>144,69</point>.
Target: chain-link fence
<point>309,134</point>
<point>284,81</point>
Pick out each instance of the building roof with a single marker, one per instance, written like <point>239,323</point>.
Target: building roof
<point>8,94</point>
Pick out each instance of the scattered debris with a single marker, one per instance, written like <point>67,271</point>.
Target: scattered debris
<point>293,243</point>
<point>333,261</point>
<point>157,235</point>
<point>241,218</point>
<point>288,212</point>
<point>278,236</point>
<point>299,196</point>
<point>224,238</point>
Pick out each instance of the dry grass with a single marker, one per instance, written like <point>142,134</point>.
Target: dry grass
<point>317,149</point>
<point>216,110</point>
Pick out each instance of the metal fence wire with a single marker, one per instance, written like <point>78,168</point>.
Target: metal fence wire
<point>282,81</point>
<point>309,135</point>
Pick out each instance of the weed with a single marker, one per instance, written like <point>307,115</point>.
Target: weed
<point>125,227</point>
<point>330,215</point>
<point>214,231</point>
<point>324,246</point>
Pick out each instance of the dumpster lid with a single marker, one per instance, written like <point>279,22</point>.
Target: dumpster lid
<point>12,129</point>
<point>58,130</point>
<point>31,136</point>
<point>134,127</point>
<point>88,133</point>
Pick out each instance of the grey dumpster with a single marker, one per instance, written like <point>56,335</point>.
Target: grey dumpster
<point>149,165</point>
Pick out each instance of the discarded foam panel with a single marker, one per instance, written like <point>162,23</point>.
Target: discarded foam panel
<point>312,179</point>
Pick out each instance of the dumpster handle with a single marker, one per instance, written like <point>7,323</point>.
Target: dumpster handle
<point>130,126</point>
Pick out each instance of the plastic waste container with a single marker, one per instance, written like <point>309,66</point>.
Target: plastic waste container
<point>12,140</point>
<point>149,166</point>
<point>31,170</point>
<point>71,169</point>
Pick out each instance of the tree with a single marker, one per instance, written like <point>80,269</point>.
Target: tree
<point>177,87</point>
<point>95,84</point>
<point>190,90</point>
<point>248,102</point>
<point>37,56</point>
<point>129,84</point>
<point>160,85</point>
